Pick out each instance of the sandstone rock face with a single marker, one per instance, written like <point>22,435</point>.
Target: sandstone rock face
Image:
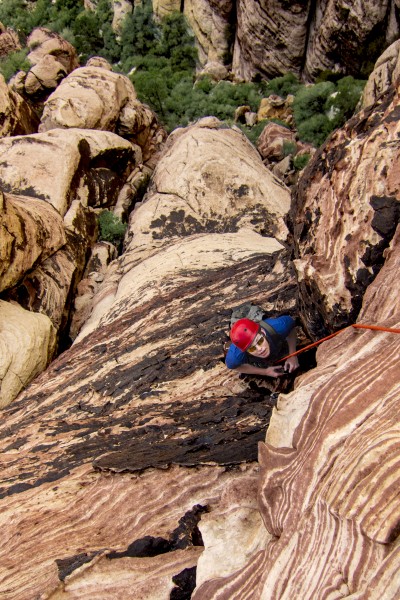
<point>30,230</point>
<point>210,179</point>
<point>43,42</point>
<point>48,224</point>
<point>345,213</point>
<point>26,348</point>
<point>385,74</point>
<point>17,116</point>
<point>279,28</point>
<point>9,41</point>
<point>340,33</point>
<point>60,166</point>
<point>210,23</point>
<point>329,472</point>
<point>96,98</point>
<point>138,421</point>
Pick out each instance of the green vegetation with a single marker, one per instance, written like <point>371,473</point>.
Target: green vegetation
<point>160,59</point>
<point>14,62</point>
<point>301,161</point>
<point>111,228</point>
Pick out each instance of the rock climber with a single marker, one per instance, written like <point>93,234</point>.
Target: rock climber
<point>256,346</point>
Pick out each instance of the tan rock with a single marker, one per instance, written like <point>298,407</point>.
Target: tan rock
<point>121,8</point>
<point>97,98</point>
<point>17,116</point>
<point>27,343</point>
<point>162,8</point>
<point>42,42</point>
<point>219,184</point>
<point>49,287</point>
<point>215,70</point>
<point>101,255</point>
<point>386,72</point>
<point>9,41</point>
<point>44,76</point>
<point>60,166</point>
<point>31,230</point>
<point>210,22</point>
<point>275,107</point>
<point>99,61</point>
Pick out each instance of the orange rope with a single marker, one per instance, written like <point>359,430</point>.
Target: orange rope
<point>328,337</point>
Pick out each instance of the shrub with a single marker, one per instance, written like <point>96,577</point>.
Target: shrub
<point>111,228</point>
<point>315,130</point>
<point>289,147</point>
<point>301,161</point>
<point>282,86</point>
<point>14,62</point>
<point>253,133</point>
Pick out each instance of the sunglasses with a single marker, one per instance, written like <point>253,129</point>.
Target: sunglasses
<point>256,344</point>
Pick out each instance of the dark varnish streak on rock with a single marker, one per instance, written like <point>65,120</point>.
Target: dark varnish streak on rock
<point>222,430</point>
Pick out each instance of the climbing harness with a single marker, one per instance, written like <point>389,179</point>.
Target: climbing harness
<point>328,337</point>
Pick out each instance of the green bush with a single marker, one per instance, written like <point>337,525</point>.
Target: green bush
<point>319,109</point>
<point>289,148</point>
<point>111,228</point>
<point>14,62</point>
<point>282,86</point>
<point>301,161</point>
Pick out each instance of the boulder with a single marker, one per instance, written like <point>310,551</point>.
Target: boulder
<point>385,74</point>
<point>275,107</point>
<point>31,231</point>
<point>344,213</point>
<point>27,344</point>
<point>209,179</point>
<point>59,166</point>
<point>43,42</point>
<point>44,76</point>
<point>275,142</point>
<point>9,41</point>
<point>17,117</point>
<point>93,97</point>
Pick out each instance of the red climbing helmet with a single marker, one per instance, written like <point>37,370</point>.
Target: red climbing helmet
<point>243,333</point>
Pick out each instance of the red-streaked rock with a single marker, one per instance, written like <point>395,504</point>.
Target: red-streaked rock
<point>117,516</point>
<point>345,212</point>
<point>330,470</point>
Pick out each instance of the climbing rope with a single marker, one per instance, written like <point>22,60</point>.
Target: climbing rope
<point>328,337</point>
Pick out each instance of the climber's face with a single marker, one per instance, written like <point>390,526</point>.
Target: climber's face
<point>259,347</point>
